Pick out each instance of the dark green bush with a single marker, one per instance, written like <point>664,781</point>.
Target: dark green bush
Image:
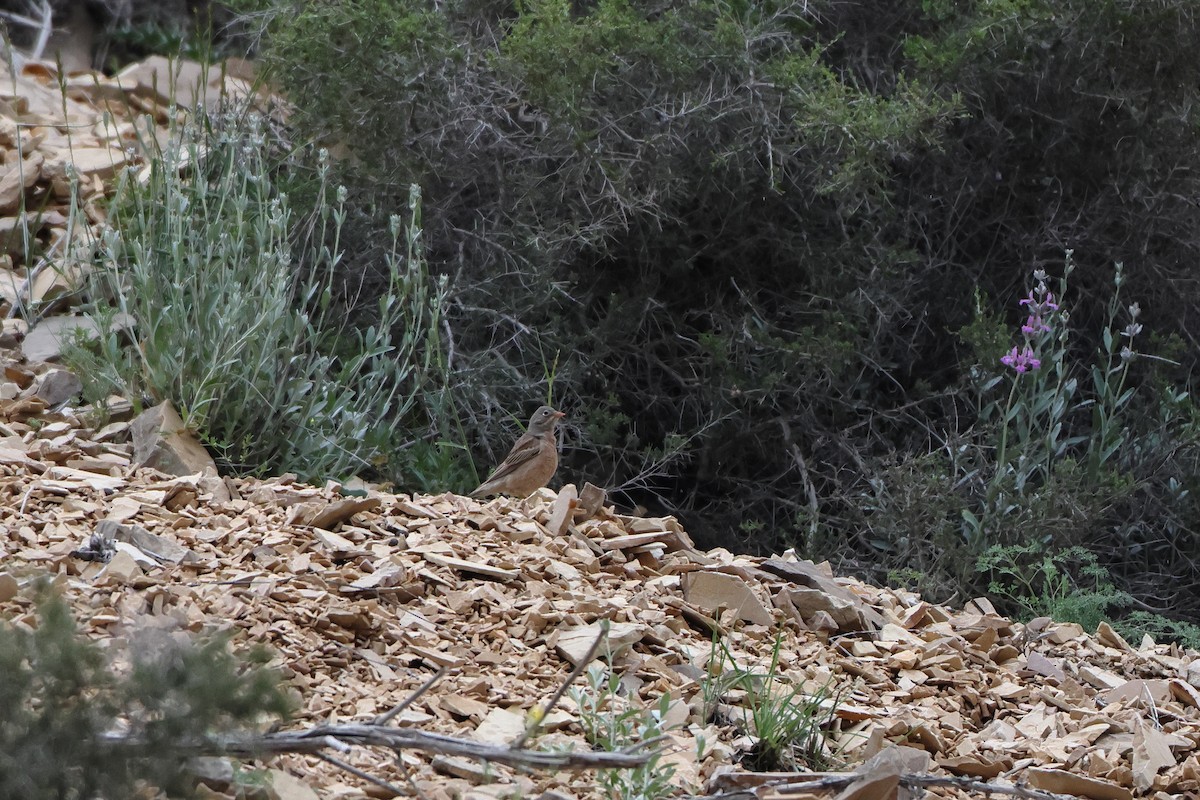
<point>73,726</point>
<point>681,206</point>
<point>745,235</point>
<point>1075,136</point>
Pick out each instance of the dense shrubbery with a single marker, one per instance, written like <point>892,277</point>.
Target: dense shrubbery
<point>767,252</point>
<point>1072,137</point>
<point>1057,452</point>
<point>74,725</point>
<point>682,211</point>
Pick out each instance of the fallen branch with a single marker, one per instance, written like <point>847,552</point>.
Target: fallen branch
<point>974,785</point>
<point>548,706</point>
<point>342,738</point>
<point>378,732</point>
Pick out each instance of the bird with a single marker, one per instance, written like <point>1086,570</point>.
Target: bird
<point>531,462</point>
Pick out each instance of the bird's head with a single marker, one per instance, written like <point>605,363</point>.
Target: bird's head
<point>543,420</point>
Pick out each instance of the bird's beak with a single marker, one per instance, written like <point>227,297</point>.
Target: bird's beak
<point>559,414</point>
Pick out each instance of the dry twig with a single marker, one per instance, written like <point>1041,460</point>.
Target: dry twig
<point>377,733</point>
<point>536,722</point>
<point>343,737</point>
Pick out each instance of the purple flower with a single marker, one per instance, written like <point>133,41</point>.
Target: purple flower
<point>1038,305</point>
<point>1035,325</point>
<point>1021,360</point>
<point>1040,300</point>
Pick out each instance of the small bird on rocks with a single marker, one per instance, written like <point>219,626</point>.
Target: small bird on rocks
<point>531,462</point>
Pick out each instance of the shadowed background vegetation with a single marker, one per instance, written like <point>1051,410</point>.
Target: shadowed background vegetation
<point>767,256</point>
<point>770,253</point>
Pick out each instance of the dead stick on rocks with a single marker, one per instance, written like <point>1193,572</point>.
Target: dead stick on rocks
<point>388,716</point>
<point>315,741</point>
<point>974,785</point>
<point>341,737</point>
<point>536,719</point>
<point>353,770</point>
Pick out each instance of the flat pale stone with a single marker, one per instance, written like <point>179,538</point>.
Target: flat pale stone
<point>161,441</point>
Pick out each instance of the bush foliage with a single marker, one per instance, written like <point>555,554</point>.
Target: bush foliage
<point>74,725</point>
<point>675,206</point>
<point>243,318</point>
<point>773,249</point>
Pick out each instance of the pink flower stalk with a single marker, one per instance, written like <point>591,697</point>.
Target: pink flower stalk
<point>1043,305</point>
<point>1021,360</point>
<point>1035,325</point>
<point>1038,304</point>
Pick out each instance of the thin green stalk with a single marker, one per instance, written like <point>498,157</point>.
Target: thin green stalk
<point>1002,452</point>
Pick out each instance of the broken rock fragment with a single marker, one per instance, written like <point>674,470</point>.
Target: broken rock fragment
<point>58,386</point>
<point>161,441</point>
<point>158,548</point>
<point>17,178</point>
<point>45,341</point>
<point>816,592</point>
<point>714,591</point>
<point>98,548</point>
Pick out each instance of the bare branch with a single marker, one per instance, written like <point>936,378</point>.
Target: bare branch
<point>388,716</point>
<point>553,701</point>
<point>341,737</point>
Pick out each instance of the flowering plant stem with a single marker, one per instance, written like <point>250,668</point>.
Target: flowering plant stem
<point>1002,453</point>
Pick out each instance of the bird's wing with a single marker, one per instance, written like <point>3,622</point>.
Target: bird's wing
<point>525,449</point>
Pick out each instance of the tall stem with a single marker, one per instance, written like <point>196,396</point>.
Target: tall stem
<point>1002,453</point>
